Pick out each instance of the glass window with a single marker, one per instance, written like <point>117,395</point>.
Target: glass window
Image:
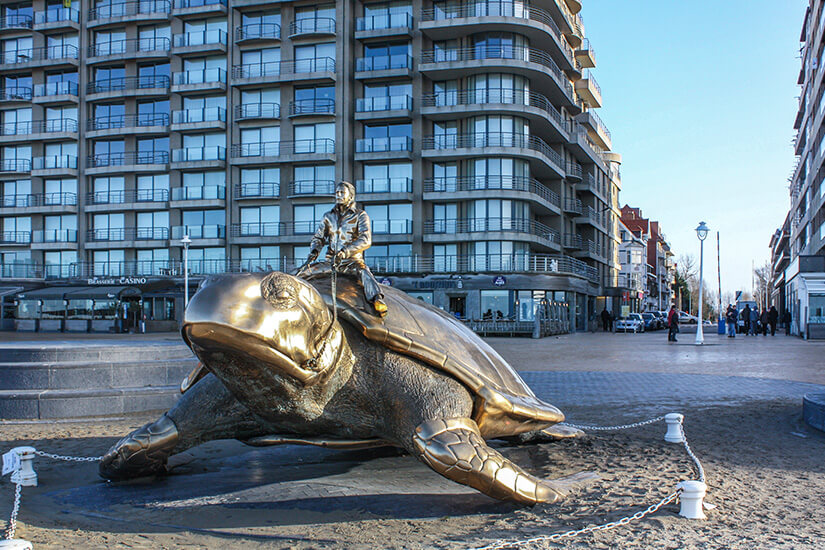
<point>495,303</point>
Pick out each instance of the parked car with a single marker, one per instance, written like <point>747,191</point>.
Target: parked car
<point>686,318</point>
<point>631,323</point>
<point>652,321</point>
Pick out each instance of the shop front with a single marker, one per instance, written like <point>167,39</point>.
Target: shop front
<point>805,294</point>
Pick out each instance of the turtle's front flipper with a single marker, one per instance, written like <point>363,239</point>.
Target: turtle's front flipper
<point>454,448</point>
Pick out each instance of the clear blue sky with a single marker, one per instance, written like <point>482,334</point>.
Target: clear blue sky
<point>700,97</point>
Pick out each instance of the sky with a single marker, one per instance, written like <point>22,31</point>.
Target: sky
<point>700,97</point>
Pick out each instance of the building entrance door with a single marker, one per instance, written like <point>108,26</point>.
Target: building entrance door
<point>458,305</point>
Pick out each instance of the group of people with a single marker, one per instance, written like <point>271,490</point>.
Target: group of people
<point>753,321</point>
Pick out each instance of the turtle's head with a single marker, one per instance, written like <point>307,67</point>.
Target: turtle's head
<point>275,318</point>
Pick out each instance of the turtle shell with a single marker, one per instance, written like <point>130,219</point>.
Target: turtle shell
<point>504,404</point>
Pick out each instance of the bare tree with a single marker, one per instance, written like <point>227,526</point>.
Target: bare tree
<point>762,284</point>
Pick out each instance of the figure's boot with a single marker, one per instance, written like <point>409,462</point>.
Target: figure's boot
<point>379,306</point>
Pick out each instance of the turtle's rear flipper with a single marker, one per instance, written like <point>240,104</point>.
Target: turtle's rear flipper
<point>454,448</point>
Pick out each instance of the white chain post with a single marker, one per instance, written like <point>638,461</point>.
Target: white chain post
<point>25,475</point>
<point>691,499</point>
<point>674,428</point>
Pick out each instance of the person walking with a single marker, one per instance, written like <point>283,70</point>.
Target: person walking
<point>754,326</point>
<point>773,317</point>
<point>745,315</point>
<point>672,324</point>
<point>786,318</point>
<point>605,319</point>
<point>763,321</point>
<point>731,318</point>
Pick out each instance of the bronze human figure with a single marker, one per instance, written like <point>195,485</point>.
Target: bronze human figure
<point>346,232</point>
<point>284,370</point>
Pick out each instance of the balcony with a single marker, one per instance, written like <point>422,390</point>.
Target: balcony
<point>128,86</point>
<point>15,94</point>
<point>143,10</point>
<point>199,80</point>
<point>15,23</point>
<point>383,107</point>
<point>572,205</point>
<point>54,236</point>
<point>57,17</point>
<point>574,171</point>
<point>134,199</point>
<point>257,190</point>
<point>198,193</point>
<point>15,166</point>
<point>596,129</point>
<point>126,49</point>
<point>258,32</point>
<point>128,234</point>
<point>391,24</point>
<point>593,217</point>
<point>450,230</point>
<point>590,249</point>
<point>56,92</point>
<point>383,147</point>
<point>383,66</point>
<point>471,187</point>
<point>198,232</point>
<point>544,160</point>
<point>186,8</point>
<point>199,119</point>
<point>304,188</point>
<point>38,203</point>
<point>57,165</point>
<point>144,123</point>
<point>39,130</point>
<point>589,184</point>
<point>392,227</point>
<point>589,91</point>
<point>572,241</point>
<point>15,237</point>
<point>51,56</point>
<point>259,229</point>
<point>317,26</point>
<point>257,111</point>
<point>284,151</point>
<point>544,117</point>
<point>278,71</point>
<point>382,186</point>
<point>305,107</point>
<point>198,157</point>
<point>535,64</point>
<point>122,162</point>
<point>214,40</point>
<point>585,55</point>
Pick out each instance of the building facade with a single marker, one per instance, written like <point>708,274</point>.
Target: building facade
<point>633,275</point>
<point>798,248</point>
<point>660,269</point>
<point>469,129</point>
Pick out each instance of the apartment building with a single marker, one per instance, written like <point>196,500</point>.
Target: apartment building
<point>136,133</point>
<point>660,265</point>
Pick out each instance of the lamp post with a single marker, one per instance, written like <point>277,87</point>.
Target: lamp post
<point>702,233</point>
<point>185,241</point>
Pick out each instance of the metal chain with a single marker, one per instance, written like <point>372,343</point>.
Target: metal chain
<point>699,469</point>
<point>611,428</point>
<point>498,545</point>
<point>16,508</point>
<point>70,458</point>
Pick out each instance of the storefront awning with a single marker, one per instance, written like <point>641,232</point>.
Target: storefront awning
<point>9,290</point>
<point>48,293</point>
<point>103,293</point>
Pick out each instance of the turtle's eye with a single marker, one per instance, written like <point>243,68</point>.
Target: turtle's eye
<point>279,290</point>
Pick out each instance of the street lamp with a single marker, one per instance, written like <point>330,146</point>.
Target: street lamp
<point>702,233</point>
<point>185,241</point>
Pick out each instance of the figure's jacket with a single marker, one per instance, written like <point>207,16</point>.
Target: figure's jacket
<point>352,228</point>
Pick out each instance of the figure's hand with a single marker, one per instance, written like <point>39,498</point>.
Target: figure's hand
<point>340,256</point>
<point>313,255</point>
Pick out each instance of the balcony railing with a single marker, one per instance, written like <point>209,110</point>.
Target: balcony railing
<point>127,197</point>
<point>276,148</point>
<point>132,45</point>
<point>475,225</point>
<point>199,193</point>
<point>320,106</point>
<point>312,187</point>
<point>384,62</point>
<point>493,139</point>
<point>258,229</point>
<point>114,122</point>
<point>195,154</point>
<point>384,103</point>
<point>499,96</point>
<point>384,185</point>
<point>38,127</point>
<point>255,190</point>
<point>183,4</point>
<point>38,199</point>
<point>192,116</point>
<point>127,158</point>
<point>127,83</point>
<point>125,9</point>
<point>200,76</point>
<point>277,68</point>
<point>63,51</point>
<point>55,162</point>
<point>15,165</point>
<point>258,31</point>
<point>316,25</point>
<point>574,169</point>
<point>572,241</point>
<point>66,87</point>
<point>573,205</point>
<point>257,110</point>
<point>399,20</point>
<point>392,227</point>
<point>383,144</point>
<point>15,237</point>
<point>16,93</point>
<point>16,22</point>
<point>202,38</point>
<point>599,217</point>
<point>128,234</point>
<point>54,236</point>
<point>55,14</point>
<point>474,183</point>
<point>199,231</point>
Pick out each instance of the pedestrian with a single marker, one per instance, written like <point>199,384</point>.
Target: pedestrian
<point>786,318</point>
<point>763,321</point>
<point>754,318</point>
<point>605,319</point>
<point>745,315</point>
<point>773,317</point>
<point>672,324</point>
<point>731,318</point>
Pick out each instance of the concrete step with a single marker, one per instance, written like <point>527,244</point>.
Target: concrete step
<point>40,404</point>
<point>94,351</point>
<point>95,374</point>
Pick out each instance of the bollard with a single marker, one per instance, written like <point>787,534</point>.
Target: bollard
<point>691,499</point>
<point>15,544</point>
<point>674,431</point>
<point>25,475</point>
